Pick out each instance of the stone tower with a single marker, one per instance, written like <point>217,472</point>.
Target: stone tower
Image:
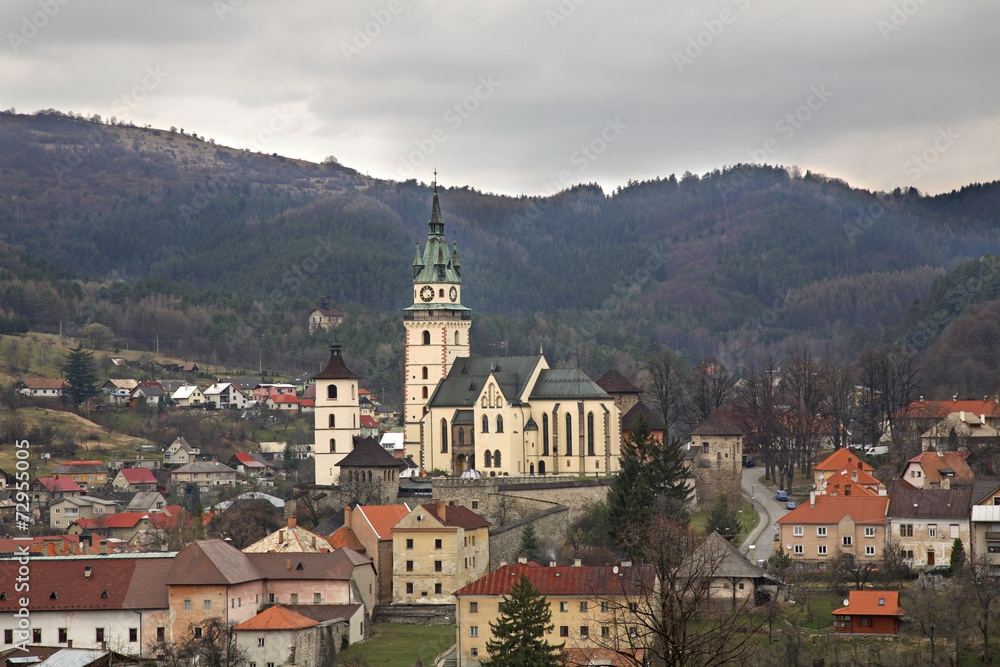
<point>437,327</point>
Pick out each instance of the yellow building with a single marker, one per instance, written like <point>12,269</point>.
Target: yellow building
<point>815,532</point>
<point>590,609</point>
<point>437,549</point>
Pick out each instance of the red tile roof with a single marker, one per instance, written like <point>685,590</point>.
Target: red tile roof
<point>837,484</point>
<point>138,475</point>
<point>368,421</point>
<point>284,398</point>
<point>842,459</point>
<point>59,484</point>
<point>307,402</point>
<point>119,520</point>
<point>345,537</point>
<point>941,409</point>
<point>932,463</point>
<point>831,509</point>
<point>248,460</point>
<point>383,517</point>
<point>456,516</point>
<point>45,383</point>
<point>866,603</point>
<point>276,618</point>
<point>582,580</point>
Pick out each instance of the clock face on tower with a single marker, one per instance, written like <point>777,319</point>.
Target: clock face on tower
<point>453,293</point>
<point>426,293</point>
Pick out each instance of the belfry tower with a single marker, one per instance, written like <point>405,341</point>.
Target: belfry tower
<point>437,327</point>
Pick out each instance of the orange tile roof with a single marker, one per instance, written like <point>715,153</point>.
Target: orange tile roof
<point>866,603</point>
<point>932,463</point>
<point>383,517</point>
<point>831,509</point>
<point>941,409</point>
<point>345,537</point>
<point>276,618</point>
<point>842,459</point>
<point>837,483</point>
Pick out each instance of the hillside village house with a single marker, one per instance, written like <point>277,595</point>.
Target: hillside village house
<point>938,470</point>
<point>437,549</point>
<point>325,317</point>
<point>134,480</point>
<point>590,606</point>
<point>225,396</point>
<point>925,522</point>
<point>125,527</point>
<point>247,465</point>
<point>117,391</point>
<point>70,509</point>
<point>262,391</point>
<point>41,387</point>
<point>180,452</point>
<point>814,532</point>
<point>147,393</point>
<point>204,474</point>
<point>188,396</point>
<point>46,490</point>
<point>960,431</point>
<point>147,501</point>
<point>85,473</point>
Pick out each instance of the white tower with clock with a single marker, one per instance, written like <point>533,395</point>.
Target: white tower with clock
<point>437,327</point>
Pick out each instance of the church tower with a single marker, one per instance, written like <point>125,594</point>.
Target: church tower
<point>437,327</point>
<point>337,416</point>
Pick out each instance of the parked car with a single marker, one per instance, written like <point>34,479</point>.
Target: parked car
<point>748,462</point>
<point>790,505</point>
<point>781,495</point>
<point>943,570</point>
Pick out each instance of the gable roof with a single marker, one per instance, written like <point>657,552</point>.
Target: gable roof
<point>941,409</point>
<point>837,483</point>
<point>276,618</point>
<point>383,517</point>
<point>842,459</point>
<point>614,382</point>
<point>326,612</point>
<point>576,580</point>
<point>906,501</point>
<point>727,559</point>
<point>831,509</point>
<point>144,500</point>
<point>654,420</point>
<point>468,375</point>
<point>212,562</point>
<point>45,383</point>
<point>202,466</point>
<point>345,537</point>
<point>937,465</point>
<point>185,392</point>
<point>59,484</point>
<point>338,565</point>
<point>567,384</point>
<point>80,468</point>
<point>290,539</point>
<point>138,475</point>
<point>455,516</point>
<point>720,422</point>
<point>367,453</point>
<point>367,421</point>
<point>866,603</point>
<point>247,460</point>
<point>335,368</point>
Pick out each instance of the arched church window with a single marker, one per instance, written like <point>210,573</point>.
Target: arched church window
<point>423,391</point>
<point>499,424</point>
<point>486,424</point>
<point>427,338</point>
<point>545,434</point>
<point>496,459</point>
<point>424,372</point>
<point>333,421</point>
<point>487,459</point>
<point>569,434</point>
<point>444,435</point>
<point>333,445</point>
<point>590,434</point>
<point>456,338</point>
<point>331,392</point>
<point>461,435</point>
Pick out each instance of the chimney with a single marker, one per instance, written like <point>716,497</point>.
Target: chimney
<point>440,509</point>
<point>347,515</point>
<point>577,562</point>
<point>288,563</point>
<point>552,563</point>
<point>87,570</point>
<point>945,482</point>
<point>522,560</point>
<point>812,499</point>
<point>104,547</point>
<point>292,521</point>
<point>854,475</point>
<point>503,563</point>
<point>626,563</point>
<point>69,643</point>
<point>86,547</point>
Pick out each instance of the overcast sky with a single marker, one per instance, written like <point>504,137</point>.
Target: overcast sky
<point>528,97</point>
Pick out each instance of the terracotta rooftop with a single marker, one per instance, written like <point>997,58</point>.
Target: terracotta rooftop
<point>839,483</point>
<point>614,382</point>
<point>842,459</point>
<point>368,421</point>
<point>941,409</point>
<point>345,537</point>
<point>582,580</point>
<point>935,465</point>
<point>871,603</point>
<point>831,509</point>
<point>381,517</point>
<point>276,618</point>
<point>59,484</point>
<point>455,516</point>
<point>45,383</point>
<point>138,475</point>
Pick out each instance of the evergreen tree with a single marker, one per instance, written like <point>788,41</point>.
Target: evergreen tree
<point>519,631</point>
<point>957,557</point>
<point>722,519</point>
<point>80,374</point>
<point>630,496</point>
<point>529,542</point>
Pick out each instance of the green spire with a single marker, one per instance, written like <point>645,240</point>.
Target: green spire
<point>436,223</point>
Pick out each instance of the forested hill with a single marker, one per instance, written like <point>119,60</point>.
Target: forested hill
<point>696,262</point>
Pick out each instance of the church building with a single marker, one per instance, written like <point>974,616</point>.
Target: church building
<point>500,415</point>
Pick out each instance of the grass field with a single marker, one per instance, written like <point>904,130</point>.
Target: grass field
<point>747,514</point>
<point>399,645</point>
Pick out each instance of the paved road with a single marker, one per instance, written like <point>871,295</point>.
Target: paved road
<point>770,510</point>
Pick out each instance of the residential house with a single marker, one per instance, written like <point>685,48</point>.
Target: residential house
<point>961,431</point>
<point>46,490</point>
<point>189,367</point>
<point>180,452</point>
<point>732,575</point>
<point>88,602</point>
<point>938,470</point>
<point>438,549</point>
<point>87,474</point>
<point>275,451</point>
<point>303,382</point>
<point>282,402</point>
<point>125,527</point>
<point>134,479</point>
<point>262,391</point>
<point>717,444</point>
<point>204,474</point>
<point>372,525</point>
<point>925,522</point>
<point>41,387</point>
<point>152,464</point>
<point>366,407</point>
<point>921,415</point>
<point>147,393</point>
<point>393,443</point>
<point>70,509</point>
<point>147,501</point>
<point>225,396</point>
<point>248,465</point>
<point>869,612</point>
<point>853,482</point>
<point>814,532</point>
<point>188,396</point>
<point>369,427</point>
<point>985,529</point>
<point>842,461</point>
<point>590,607</point>
<point>117,391</point>
<point>245,385</point>
<point>325,316</point>
<point>280,636</point>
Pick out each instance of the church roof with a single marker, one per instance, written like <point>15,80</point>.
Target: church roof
<point>468,376</point>
<point>565,383</point>
<point>335,369</point>
<point>367,453</point>
<point>437,264</point>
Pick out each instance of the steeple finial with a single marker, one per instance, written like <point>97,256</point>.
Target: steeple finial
<point>435,180</point>
<point>436,223</point>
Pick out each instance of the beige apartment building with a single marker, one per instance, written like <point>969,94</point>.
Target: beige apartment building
<point>813,533</point>
<point>925,522</point>
<point>438,549</point>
